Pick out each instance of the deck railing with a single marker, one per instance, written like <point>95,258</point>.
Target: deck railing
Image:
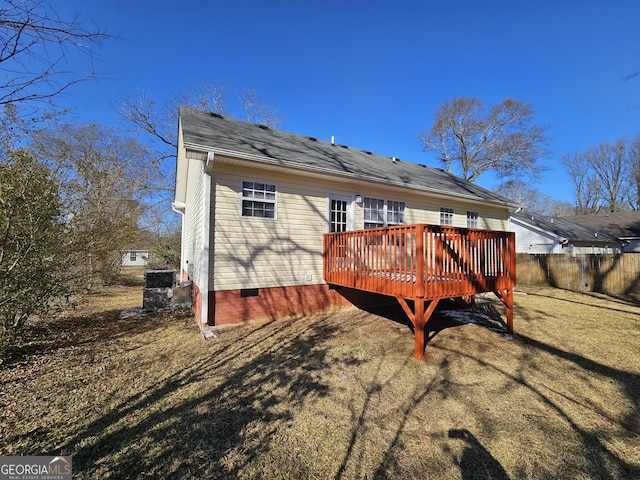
<point>421,261</point>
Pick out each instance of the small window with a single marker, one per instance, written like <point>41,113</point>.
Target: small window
<point>133,257</point>
<point>373,212</point>
<point>446,216</point>
<point>258,200</point>
<point>472,219</point>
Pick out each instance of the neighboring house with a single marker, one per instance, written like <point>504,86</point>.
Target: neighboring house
<point>136,258</point>
<point>538,234</point>
<point>255,203</point>
<point>622,225</point>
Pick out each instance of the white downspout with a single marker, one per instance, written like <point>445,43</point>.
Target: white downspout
<point>206,209</point>
<point>180,211</point>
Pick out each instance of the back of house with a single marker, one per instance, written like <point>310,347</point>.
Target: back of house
<point>256,201</point>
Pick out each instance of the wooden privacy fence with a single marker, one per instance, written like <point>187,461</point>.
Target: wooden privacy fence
<point>423,264</point>
<point>617,274</point>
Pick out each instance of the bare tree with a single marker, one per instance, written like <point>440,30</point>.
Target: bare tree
<point>610,163</point>
<point>634,161</point>
<point>103,180</point>
<point>470,142</point>
<point>606,176</point>
<point>585,182</point>
<point>256,111</point>
<point>157,121</point>
<point>532,199</point>
<point>34,45</point>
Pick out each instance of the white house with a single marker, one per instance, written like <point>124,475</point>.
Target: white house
<point>256,201</point>
<point>136,258</point>
<point>538,234</point>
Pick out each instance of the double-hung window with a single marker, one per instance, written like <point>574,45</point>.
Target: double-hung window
<point>472,219</point>
<point>446,216</point>
<point>373,212</point>
<point>258,200</point>
<point>395,213</point>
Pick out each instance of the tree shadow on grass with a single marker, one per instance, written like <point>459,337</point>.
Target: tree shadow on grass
<point>50,335</point>
<point>629,382</point>
<point>604,462</point>
<point>213,418</point>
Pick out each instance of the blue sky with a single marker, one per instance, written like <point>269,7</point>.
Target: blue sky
<point>372,73</point>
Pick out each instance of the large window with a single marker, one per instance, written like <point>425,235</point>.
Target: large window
<point>258,200</point>
<point>446,216</point>
<point>472,219</point>
<point>382,213</point>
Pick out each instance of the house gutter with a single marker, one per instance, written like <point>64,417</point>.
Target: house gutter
<point>331,172</point>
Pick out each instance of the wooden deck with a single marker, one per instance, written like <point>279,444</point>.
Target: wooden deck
<point>420,264</point>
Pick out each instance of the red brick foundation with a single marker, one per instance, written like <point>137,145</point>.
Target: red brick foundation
<point>235,306</point>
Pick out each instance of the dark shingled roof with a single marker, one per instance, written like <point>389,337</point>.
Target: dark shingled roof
<point>563,227</point>
<point>213,132</point>
<point>618,224</point>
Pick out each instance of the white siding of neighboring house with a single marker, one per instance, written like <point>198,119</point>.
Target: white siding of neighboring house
<point>287,251</point>
<point>534,241</point>
<point>141,258</point>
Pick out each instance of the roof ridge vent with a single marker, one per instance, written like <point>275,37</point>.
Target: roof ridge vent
<point>262,126</point>
<point>367,152</point>
<point>343,145</point>
<point>215,114</point>
<point>313,139</point>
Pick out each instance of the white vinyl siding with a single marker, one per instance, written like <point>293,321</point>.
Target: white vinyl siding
<point>531,240</point>
<point>194,219</point>
<point>260,254</point>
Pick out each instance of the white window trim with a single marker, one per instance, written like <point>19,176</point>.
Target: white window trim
<point>274,201</point>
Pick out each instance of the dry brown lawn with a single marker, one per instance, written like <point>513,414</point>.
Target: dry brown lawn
<point>332,396</point>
